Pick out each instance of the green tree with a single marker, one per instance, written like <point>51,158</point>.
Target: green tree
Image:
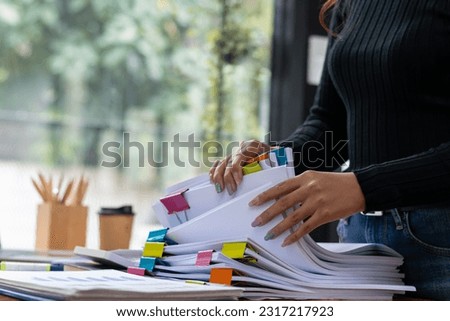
<point>239,42</point>
<point>100,61</point>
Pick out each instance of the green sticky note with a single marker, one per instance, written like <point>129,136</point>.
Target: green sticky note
<point>251,168</point>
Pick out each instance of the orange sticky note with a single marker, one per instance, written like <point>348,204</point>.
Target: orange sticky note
<point>221,276</point>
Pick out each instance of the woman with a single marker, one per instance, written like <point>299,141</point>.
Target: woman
<point>385,89</point>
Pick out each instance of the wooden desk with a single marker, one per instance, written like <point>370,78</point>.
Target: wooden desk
<point>34,256</point>
<point>31,256</point>
<point>7,298</point>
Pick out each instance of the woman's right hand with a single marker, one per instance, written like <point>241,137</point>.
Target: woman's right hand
<point>227,173</point>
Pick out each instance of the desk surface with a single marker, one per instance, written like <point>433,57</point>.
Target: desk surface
<point>7,298</point>
<point>34,256</point>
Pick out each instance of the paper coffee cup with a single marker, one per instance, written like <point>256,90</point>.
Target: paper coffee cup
<point>115,226</point>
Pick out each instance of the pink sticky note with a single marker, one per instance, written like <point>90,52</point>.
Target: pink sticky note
<point>136,270</point>
<point>204,258</point>
<point>175,202</point>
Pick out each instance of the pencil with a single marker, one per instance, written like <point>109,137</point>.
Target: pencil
<point>67,192</point>
<point>50,190</point>
<point>58,192</point>
<point>45,187</point>
<point>39,190</point>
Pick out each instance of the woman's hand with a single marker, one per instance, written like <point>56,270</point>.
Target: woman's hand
<point>324,197</point>
<point>227,173</point>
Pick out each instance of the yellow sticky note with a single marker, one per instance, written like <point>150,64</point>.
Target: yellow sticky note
<point>153,249</point>
<point>234,250</point>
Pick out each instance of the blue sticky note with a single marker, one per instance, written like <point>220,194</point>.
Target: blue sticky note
<point>160,236</point>
<point>157,236</point>
<point>147,263</point>
<point>280,153</point>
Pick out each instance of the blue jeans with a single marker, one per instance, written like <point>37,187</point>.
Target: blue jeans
<point>422,236</point>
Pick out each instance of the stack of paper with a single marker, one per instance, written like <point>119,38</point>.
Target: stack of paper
<point>189,199</point>
<point>105,285</point>
<point>120,259</point>
<point>263,275</point>
<point>200,219</point>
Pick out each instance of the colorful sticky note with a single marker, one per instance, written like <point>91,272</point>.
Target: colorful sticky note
<point>136,270</point>
<point>251,168</point>
<point>147,263</point>
<point>280,153</point>
<point>221,276</point>
<point>234,250</point>
<point>175,202</point>
<point>204,258</point>
<point>153,249</point>
<point>157,235</point>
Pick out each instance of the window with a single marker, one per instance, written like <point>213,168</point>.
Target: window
<point>126,93</point>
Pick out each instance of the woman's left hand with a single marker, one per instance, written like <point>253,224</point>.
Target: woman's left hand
<point>324,197</point>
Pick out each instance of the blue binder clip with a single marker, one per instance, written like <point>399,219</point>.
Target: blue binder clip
<point>280,153</point>
<point>160,236</point>
<point>147,263</point>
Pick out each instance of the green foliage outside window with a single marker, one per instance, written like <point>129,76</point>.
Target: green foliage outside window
<point>77,73</point>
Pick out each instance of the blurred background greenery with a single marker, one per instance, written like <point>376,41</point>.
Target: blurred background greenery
<point>75,74</point>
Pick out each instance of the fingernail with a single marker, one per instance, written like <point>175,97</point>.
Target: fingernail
<point>253,202</point>
<point>230,190</point>
<point>286,243</point>
<point>269,236</point>
<point>218,188</point>
<point>257,222</point>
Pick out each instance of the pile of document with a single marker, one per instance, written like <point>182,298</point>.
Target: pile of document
<point>104,285</point>
<point>210,238</point>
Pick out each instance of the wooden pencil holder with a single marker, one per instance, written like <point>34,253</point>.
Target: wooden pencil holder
<point>60,227</point>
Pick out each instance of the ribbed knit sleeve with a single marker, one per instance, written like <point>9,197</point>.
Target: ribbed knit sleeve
<point>392,69</point>
<point>414,181</point>
<point>320,143</point>
<point>386,88</point>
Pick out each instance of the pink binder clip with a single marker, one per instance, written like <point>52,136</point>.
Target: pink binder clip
<point>175,202</point>
<point>136,270</point>
<point>204,258</point>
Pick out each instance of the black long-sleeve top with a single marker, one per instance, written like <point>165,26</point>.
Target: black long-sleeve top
<point>386,89</point>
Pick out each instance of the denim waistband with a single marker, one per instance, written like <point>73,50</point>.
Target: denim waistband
<point>395,212</point>
<point>405,209</point>
<point>400,213</point>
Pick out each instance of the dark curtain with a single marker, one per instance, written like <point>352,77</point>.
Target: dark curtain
<point>291,96</point>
